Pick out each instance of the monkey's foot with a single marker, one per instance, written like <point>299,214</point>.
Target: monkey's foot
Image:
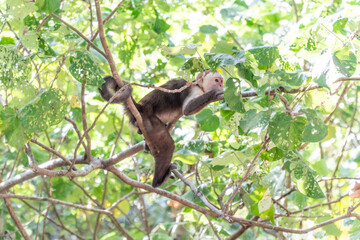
<point>147,149</point>
<point>172,167</point>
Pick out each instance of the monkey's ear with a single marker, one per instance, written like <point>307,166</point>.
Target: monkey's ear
<point>200,75</point>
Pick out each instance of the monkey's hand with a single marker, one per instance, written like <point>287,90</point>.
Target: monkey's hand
<point>110,87</point>
<point>219,93</point>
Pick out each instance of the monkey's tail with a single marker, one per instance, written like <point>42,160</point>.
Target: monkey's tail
<point>110,87</point>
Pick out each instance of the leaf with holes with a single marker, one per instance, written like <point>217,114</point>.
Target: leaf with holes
<point>345,62</point>
<point>85,69</point>
<point>286,132</point>
<point>315,130</point>
<point>14,67</point>
<point>252,120</point>
<point>216,60</point>
<point>47,109</point>
<point>304,176</point>
<point>265,56</point>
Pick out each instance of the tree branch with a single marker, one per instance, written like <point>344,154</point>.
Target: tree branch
<point>44,199</point>
<point>79,33</point>
<point>116,76</point>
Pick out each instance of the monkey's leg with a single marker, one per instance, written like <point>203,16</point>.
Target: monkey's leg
<point>164,144</point>
<point>198,103</point>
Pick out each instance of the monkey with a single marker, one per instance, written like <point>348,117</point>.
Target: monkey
<point>161,110</point>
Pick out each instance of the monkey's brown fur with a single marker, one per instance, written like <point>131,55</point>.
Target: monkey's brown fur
<point>161,110</point>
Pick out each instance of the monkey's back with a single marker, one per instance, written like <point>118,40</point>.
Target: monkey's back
<point>159,102</point>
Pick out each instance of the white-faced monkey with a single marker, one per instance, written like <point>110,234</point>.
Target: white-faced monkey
<point>161,110</point>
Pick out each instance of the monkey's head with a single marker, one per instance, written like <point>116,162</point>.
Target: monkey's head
<point>210,81</point>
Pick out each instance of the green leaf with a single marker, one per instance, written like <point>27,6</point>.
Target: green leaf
<point>7,41</point>
<point>345,62</point>
<point>10,127</point>
<point>127,50</point>
<point>48,109</point>
<point>184,157</point>
<point>233,96</point>
<point>216,60</point>
<point>315,130</point>
<point>208,29</point>
<point>273,154</point>
<point>265,56</point>
<point>339,25</point>
<point>19,9</point>
<point>252,120</point>
<point>287,80</point>
<point>187,49</point>
<point>355,230</point>
<point>160,26</point>
<point>331,229</point>
<point>226,114</point>
<point>14,66</point>
<point>247,74</point>
<point>231,157</point>
<point>85,69</point>
<point>223,47</point>
<point>207,120</point>
<point>261,204</point>
<point>304,176</point>
<point>48,6</point>
<point>44,46</point>
<point>194,65</point>
<point>286,132</point>
<point>229,13</point>
<point>196,146</point>
<point>321,80</point>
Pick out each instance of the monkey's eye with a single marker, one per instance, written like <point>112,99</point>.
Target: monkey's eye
<point>216,80</point>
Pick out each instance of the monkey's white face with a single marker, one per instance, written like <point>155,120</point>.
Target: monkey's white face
<point>213,81</point>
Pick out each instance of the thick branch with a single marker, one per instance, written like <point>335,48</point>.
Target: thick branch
<point>160,191</point>
<point>49,165</point>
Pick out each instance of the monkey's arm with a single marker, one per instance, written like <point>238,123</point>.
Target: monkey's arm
<point>198,103</point>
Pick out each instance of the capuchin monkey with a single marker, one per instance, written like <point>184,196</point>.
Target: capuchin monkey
<point>161,110</point>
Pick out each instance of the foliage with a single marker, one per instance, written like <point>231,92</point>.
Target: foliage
<point>282,142</point>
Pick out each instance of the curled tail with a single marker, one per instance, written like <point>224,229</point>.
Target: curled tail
<point>110,87</point>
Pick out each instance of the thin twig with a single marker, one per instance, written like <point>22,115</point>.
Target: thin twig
<point>15,218</point>
<point>348,132</point>
<point>247,174</point>
<point>84,123</point>
<point>44,199</point>
<point>331,114</point>
<point>199,194</point>
<point>79,33</point>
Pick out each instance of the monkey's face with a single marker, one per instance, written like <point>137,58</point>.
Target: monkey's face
<point>213,81</point>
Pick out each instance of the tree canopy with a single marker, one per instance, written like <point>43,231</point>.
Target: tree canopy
<point>277,158</point>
